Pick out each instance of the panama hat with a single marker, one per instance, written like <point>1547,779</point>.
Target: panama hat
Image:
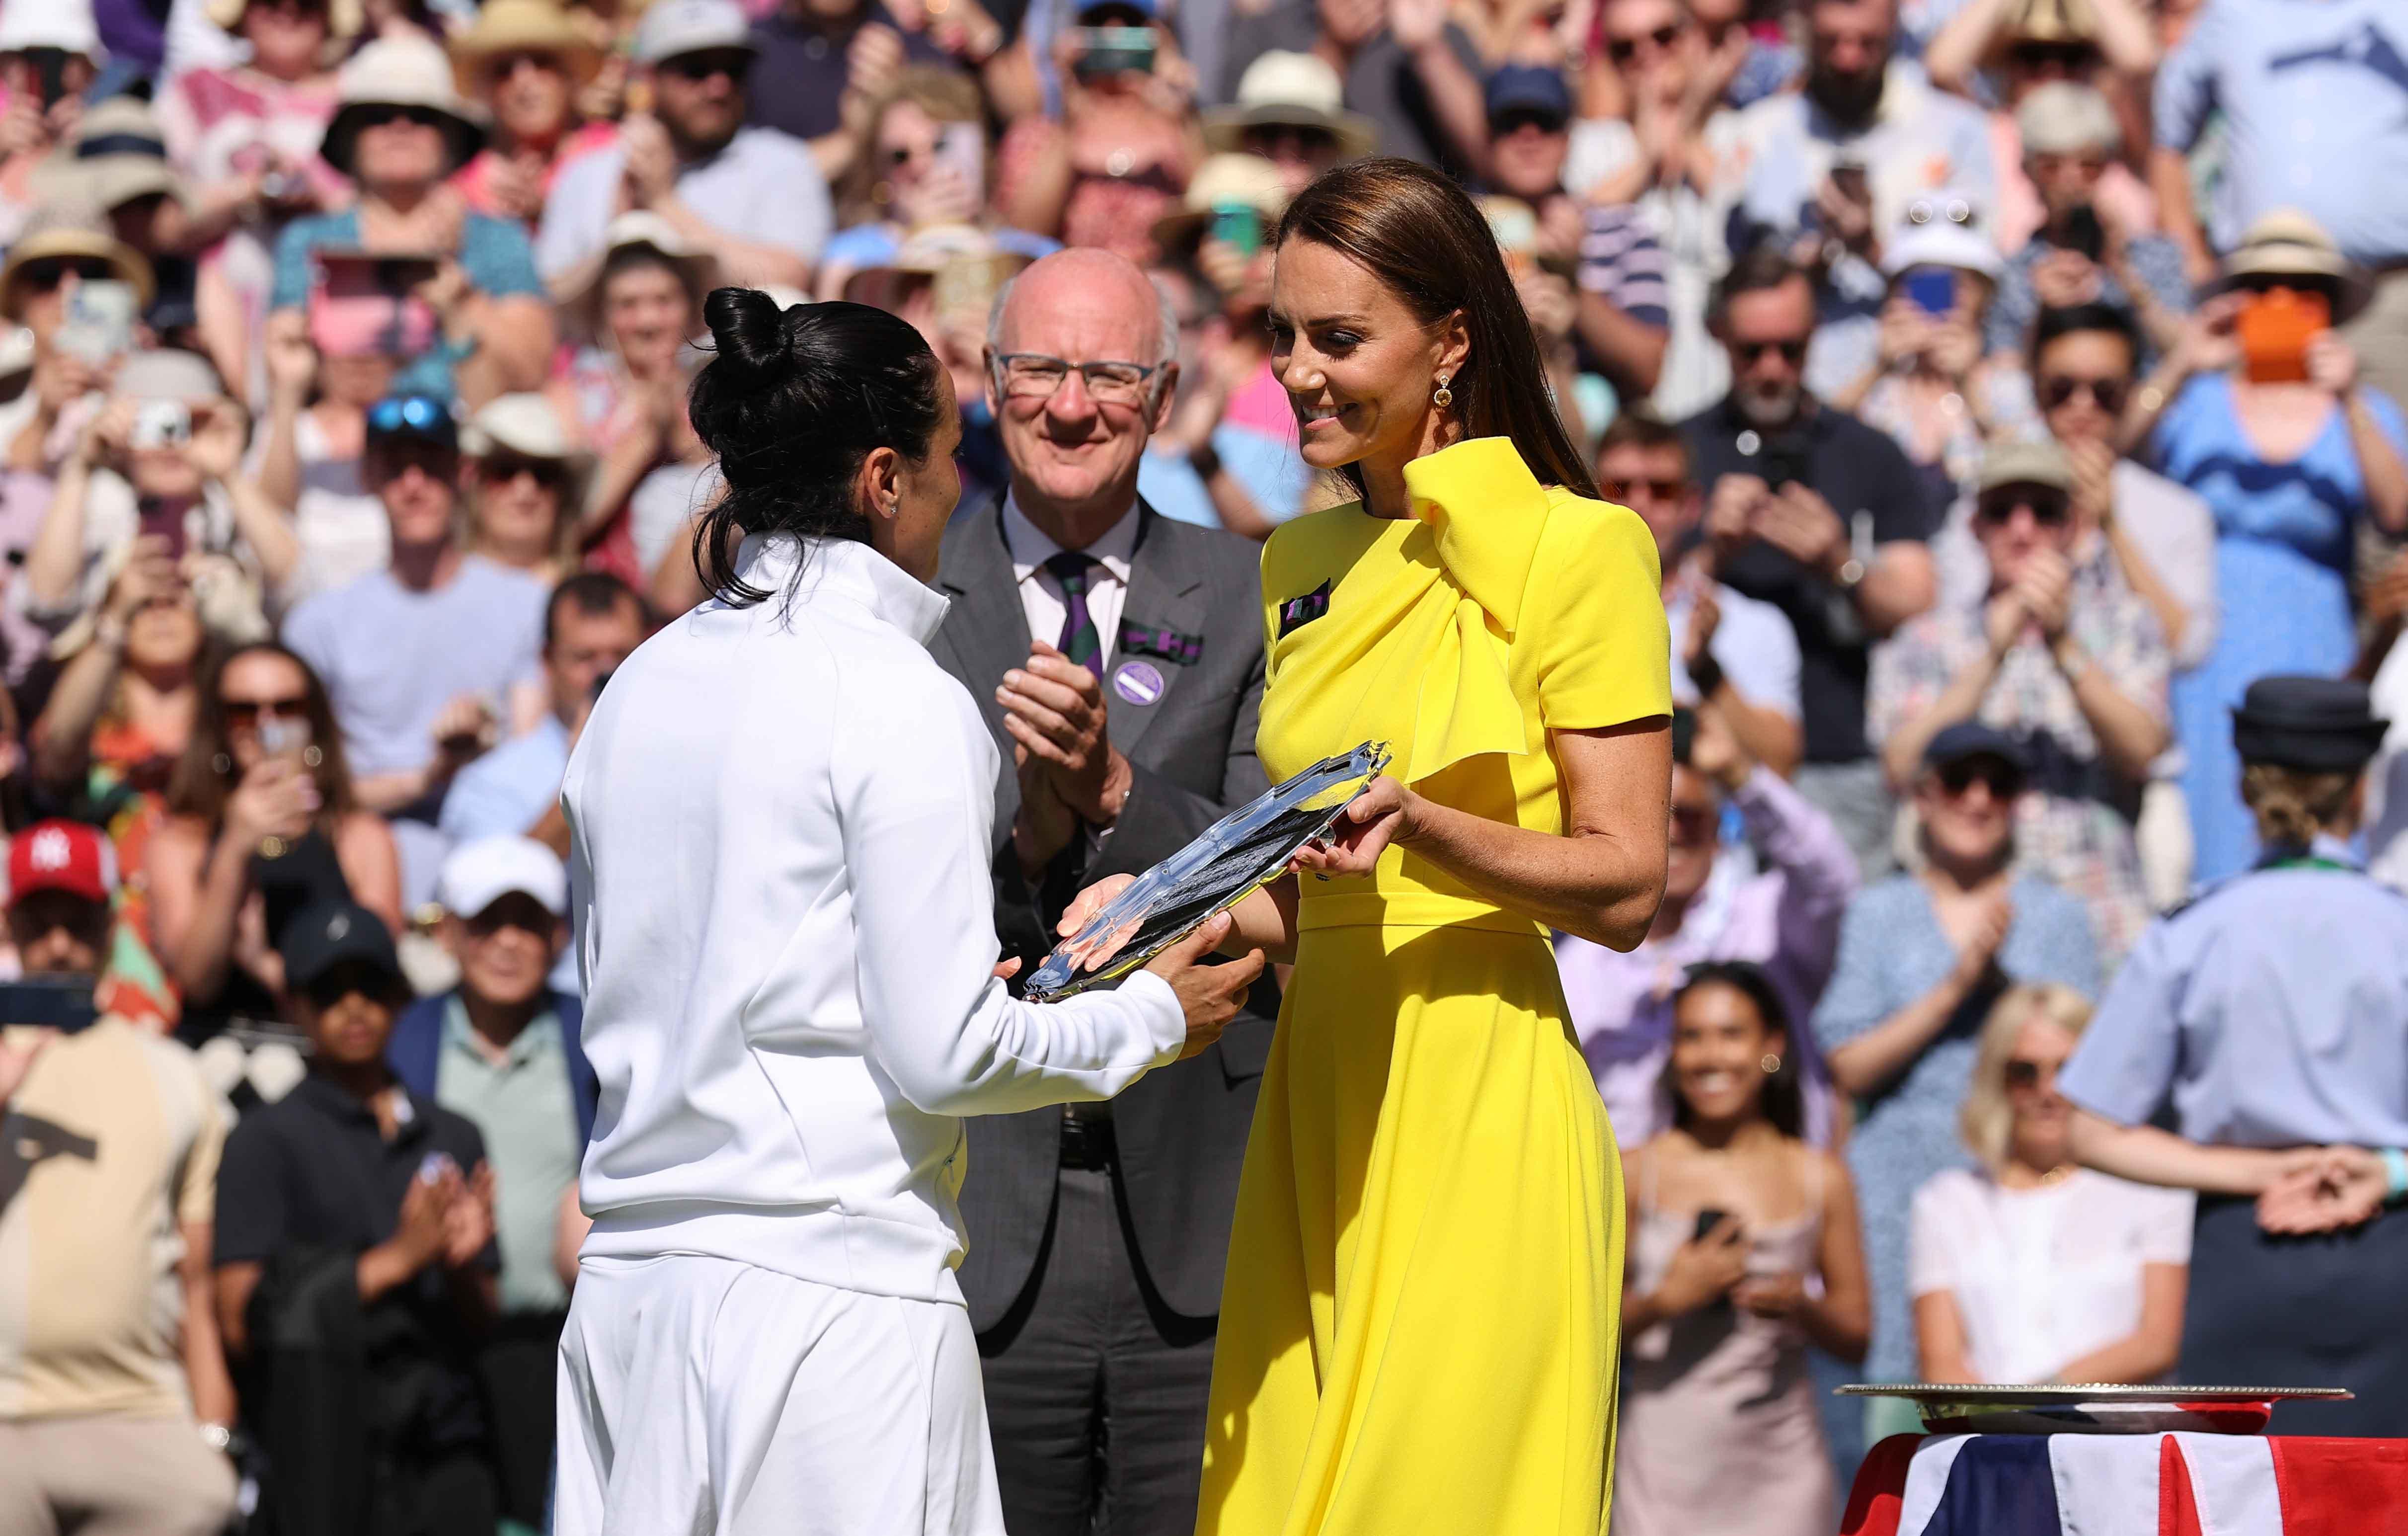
<point>1283,90</point>
<point>527,424</point>
<point>521,26</point>
<point>344,18</point>
<point>1223,180</point>
<point>399,72</point>
<point>116,154</point>
<point>2286,243</point>
<point>639,229</point>
<point>67,229</point>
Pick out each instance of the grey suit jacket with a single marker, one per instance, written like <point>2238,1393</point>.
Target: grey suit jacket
<point>1181,1129</point>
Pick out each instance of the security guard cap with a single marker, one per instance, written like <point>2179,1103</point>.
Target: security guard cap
<point>2316,725</point>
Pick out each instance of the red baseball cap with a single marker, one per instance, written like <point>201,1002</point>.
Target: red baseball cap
<point>61,855</point>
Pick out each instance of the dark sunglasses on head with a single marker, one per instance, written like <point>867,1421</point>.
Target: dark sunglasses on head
<point>1792,350</point>
<point>2109,394</point>
<point>2049,509</point>
<point>502,468</point>
<point>44,273</point>
<point>1658,490</point>
<point>699,67</point>
<point>2004,783</point>
<point>408,413</point>
<point>2024,1073</point>
<point>247,711</point>
<point>1623,49</point>
<point>386,114</point>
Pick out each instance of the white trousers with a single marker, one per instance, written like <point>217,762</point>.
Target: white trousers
<point>700,1395</point>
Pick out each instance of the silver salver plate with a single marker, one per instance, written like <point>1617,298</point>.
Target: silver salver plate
<point>2057,1392</point>
<point>2094,1408</point>
<point>1229,861</point>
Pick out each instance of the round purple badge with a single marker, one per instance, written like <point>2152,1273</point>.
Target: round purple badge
<point>1137,681</point>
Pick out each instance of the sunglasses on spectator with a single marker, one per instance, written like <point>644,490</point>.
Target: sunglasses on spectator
<point>1656,490</point>
<point>2065,57</point>
<point>1622,49</point>
<point>1299,138</point>
<point>248,712</point>
<point>2024,1074</point>
<point>408,412</point>
<point>2109,393</point>
<point>45,912</point>
<point>502,468</point>
<point>45,273</point>
<point>733,63</point>
<point>364,977</point>
<point>1506,124</point>
<point>1792,350</point>
<point>2049,509</point>
<point>2004,782</point>
<point>385,116</point>
<point>503,66</point>
<point>524,915</point>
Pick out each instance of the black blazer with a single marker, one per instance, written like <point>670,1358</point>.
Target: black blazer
<point>1181,1129</point>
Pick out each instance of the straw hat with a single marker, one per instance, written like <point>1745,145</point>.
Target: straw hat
<point>1223,180</point>
<point>640,229</point>
<point>399,72</point>
<point>71,230</point>
<point>2287,243</point>
<point>527,424</point>
<point>2060,116</point>
<point>344,18</point>
<point>521,26</point>
<point>2049,22</point>
<point>116,154</point>
<point>1283,90</point>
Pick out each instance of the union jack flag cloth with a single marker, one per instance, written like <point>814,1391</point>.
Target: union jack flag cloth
<point>2172,1485</point>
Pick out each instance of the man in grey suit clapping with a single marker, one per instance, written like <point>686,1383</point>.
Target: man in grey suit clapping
<point>1118,659</point>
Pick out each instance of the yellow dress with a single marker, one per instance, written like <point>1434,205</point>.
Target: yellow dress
<point>1418,1333</point>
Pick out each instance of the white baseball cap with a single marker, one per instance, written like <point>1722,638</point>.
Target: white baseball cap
<point>671,27</point>
<point>478,874</point>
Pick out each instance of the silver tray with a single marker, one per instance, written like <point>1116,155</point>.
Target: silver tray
<point>1229,861</point>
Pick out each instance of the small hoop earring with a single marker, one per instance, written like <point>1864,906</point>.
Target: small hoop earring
<point>1770,1064</point>
<point>1441,396</point>
<point>222,765</point>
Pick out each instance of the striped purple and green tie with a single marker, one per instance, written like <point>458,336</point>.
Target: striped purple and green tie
<point>1079,641</point>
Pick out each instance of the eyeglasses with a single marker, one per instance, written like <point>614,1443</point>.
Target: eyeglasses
<point>1622,49</point>
<point>2049,509</point>
<point>502,468</point>
<point>1273,140</point>
<point>409,413</point>
<point>385,115</point>
<point>1034,376</point>
<point>1655,490</point>
<point>2004,782</point>
<point>733,63</point>
<point>248,711</point>
<point>45,273</point>
<point>2108,393</point>
<point>1792,350</point>
<point>2025,1074</point>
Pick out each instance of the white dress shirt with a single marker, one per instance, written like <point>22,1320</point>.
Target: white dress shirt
<point>782,818</point>
<point>1040,594</point>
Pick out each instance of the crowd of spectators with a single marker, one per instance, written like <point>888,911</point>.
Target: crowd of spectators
<point>2007,385</point>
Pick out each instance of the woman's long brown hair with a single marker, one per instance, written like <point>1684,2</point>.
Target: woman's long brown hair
<point>199,790</point>
<point>1416,232</point>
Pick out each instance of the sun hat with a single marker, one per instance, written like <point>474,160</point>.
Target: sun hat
<point>2048,21</point>
<point>521,26</point>
<point>2061,116</point>
<point>640,228</point>
<point>344,18</point>
<point>2286,243</point>
<point>116,154</point>
<point>399,72</point>
<point>1285,90</point>
<point>1222,180</point>
<point>527,424</point>
<point>66,25</point>
<point>1941,242</point>
<point>672,27</point>
<point>71,229</point>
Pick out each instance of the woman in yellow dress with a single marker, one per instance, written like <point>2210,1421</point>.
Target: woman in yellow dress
<point>1418,1333</point>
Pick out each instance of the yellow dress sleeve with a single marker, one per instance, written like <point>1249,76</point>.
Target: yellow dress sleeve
<point>1597,618</point>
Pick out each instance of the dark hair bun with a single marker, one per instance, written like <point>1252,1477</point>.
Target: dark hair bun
<point>749,329</point>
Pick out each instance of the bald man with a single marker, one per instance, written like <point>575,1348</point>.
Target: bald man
<point>1118,658</point>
